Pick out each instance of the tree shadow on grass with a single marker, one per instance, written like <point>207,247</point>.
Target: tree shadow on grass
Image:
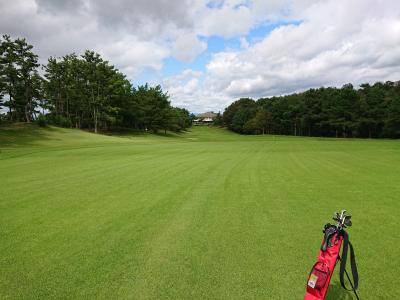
<point>336,292</point>
<point>122,132</point>
<point>22,134</point>
<point>169,134</point>
<point>130,132</point>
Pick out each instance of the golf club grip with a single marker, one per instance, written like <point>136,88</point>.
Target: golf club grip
<point>325,244</point>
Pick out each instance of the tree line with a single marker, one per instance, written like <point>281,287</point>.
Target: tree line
<point>79,91</point>
<point>372,111</point>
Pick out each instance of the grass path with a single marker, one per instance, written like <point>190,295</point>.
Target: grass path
<point>202,215</point>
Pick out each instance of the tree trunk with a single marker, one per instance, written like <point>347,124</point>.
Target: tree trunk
<point>30,109</point>
<point>68,115</point>
<point>27,118</point>
<point>26,114</point>
<point>95,120</point>
<point>10,100</point>
<point>94,112</point>
<point>58,101</point>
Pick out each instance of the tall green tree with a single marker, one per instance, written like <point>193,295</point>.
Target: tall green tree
<point>370,111</point>
<point>154,105</point>
<point>29,78</point>
<point>9,73</point>
<point>83,91</point>
<point>239,113</point>
<point>373,108</point>
<point>20,78</point>
<point>392,121</point>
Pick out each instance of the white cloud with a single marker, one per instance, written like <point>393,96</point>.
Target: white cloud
<point>57,27</point>
<point>335,41</point>
<point>187,46</point>
<point>132,35</point>
<point>133,54</point>
<point>244,44</point>
<point>188,89</point>
<point>227,21</point>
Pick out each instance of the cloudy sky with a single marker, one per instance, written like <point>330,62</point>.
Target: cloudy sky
<point>208,53</point>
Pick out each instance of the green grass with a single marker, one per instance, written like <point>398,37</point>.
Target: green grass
<point>201,215</point>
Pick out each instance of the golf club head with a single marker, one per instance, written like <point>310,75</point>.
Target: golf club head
<point>336,216</point>
<point>342,219</point>
<point>347,221</point>
<point>325,227</point>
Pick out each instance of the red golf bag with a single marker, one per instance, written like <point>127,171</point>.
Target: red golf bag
<point>321,272</point>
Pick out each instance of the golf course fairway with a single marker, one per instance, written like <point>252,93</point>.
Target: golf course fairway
<point>206,214</point>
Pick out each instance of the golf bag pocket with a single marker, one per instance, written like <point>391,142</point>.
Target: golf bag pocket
<point>319,276</point>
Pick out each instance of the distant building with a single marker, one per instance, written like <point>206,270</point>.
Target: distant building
<point>197,121</point>
<point>205,118</point>
<point>210,114</point>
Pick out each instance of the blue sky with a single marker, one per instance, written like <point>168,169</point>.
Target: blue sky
<point>215,44</point>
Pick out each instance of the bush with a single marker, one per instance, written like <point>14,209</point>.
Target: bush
<point>41,120</point>
<point>61,121</point>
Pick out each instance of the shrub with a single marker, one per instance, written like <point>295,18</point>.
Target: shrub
<point>61,121</point>
<point>41,120</point>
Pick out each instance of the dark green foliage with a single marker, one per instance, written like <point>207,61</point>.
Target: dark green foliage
<point>371,111</point>
<point>218,121</point>
<point>392,121</point>
<point>238,113</point>
<point>154,108</point>
<point>59,120</point>
<point>180,119</point>
<point>42,120</point>
<point>80,91</point>
<point>19,78</point>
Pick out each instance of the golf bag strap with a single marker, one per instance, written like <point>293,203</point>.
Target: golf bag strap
<point>346,244</point>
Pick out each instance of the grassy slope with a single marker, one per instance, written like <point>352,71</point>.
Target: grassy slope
<point>206,214</point>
